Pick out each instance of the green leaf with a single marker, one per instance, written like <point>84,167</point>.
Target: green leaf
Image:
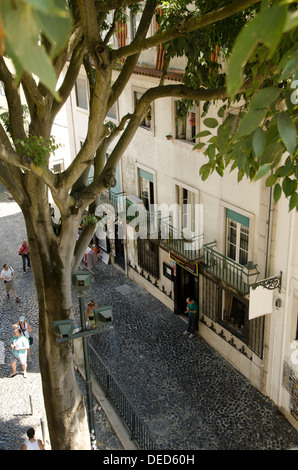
<point>202,134</point>
<point>288,186</point>
<point>293,201</point>
<point>267,28</point>
<point>29,18</point>
<point>219,171</point>
<point>258,141</point>
<point>241,160</point>
<point>271,180</point>
<point>198,146</point>
<point>264,98</point>
<point>210,122</point>
<point>271,152</point>
<point>262,171</point>
<point>287,131</point>
<point>277,192</point>
<point>250,122</point>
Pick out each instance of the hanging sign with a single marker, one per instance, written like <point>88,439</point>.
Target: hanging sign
<point>192,268</point>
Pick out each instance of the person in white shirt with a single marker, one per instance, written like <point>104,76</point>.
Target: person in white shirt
<point>7,274</point>
<point>31,443</point>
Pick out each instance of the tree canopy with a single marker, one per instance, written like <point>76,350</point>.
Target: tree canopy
<point>236,50</point>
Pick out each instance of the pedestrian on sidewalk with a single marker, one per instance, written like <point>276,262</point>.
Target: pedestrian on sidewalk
<point>90,320</point>
<point>26,329</point>
<point>7,274</point>
<point>192,310</point>
<point>24,252</point>
<point>31,443</point>
<point>19,347</point>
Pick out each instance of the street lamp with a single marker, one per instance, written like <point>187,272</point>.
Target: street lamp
<point>63,328</point>
<point>250,273</point>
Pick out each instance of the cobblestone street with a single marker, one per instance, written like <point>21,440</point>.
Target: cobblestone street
<point>197,398</point>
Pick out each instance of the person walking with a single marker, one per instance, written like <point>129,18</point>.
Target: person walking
<point>24,252</point>
<point>192,310</point>
<point>31,443</point>
<point>26,330</point>
<point>7,274</point>
<point>90,320</point>
<point>19,347</point>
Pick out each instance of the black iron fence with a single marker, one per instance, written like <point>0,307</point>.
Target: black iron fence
<point>139,431</point>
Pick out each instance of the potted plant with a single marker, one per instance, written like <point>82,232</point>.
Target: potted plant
<point>169,136</point>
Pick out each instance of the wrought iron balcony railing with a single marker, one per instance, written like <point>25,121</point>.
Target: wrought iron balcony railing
<point>224,268</point>
<point>110,197</point>
<point>190,247</point>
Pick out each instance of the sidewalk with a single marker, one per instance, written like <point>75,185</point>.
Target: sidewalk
<point>21,400</point>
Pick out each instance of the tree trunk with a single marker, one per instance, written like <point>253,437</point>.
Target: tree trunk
<point>52,261</point>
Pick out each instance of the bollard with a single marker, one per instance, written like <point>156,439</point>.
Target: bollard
<point>31,404</point>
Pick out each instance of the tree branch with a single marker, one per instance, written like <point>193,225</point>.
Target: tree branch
<point>185,26</point>
<point>13,101</point>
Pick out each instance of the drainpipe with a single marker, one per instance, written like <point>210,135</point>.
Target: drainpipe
<point>287,302</point>
<point>268,232</point>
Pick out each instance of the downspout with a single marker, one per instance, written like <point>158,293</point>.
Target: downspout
<point>268,233</point>
<point>287,302</point>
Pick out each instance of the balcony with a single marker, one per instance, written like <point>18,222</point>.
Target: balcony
<point>224,268</point>
<point>113,199</point>
<point>189,248</point>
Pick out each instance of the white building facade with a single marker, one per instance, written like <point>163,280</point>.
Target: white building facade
<point>202,235</point>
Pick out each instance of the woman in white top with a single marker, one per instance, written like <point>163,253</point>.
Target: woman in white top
<point>26,330</point>
<point>31,443</point>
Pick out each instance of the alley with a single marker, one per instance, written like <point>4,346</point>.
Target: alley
<point>198,399</point>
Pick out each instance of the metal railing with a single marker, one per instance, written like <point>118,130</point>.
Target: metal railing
<point>110,197</point>
<point>139,431</point>
<point>188,247</point>
<point>224,268</point>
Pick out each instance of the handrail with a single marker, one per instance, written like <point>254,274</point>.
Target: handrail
<point>139,431</point>
<point>224,268</point>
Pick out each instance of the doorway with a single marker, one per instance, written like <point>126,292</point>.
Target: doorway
<point>186,285</point>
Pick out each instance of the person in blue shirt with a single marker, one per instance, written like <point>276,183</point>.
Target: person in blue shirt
<point>19,347</point>
<point>192,310</point>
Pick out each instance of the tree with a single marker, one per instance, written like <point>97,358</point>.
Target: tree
<point>43,51</point>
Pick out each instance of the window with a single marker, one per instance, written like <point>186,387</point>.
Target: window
<point>148,256</point>
<point>81,93</point>
<point>135,21</point>
<point>2,89</point>
<point>234,313</point>
<point>186,128</point>
<point>58,166</point>
<point>146,122</point>
<point>237,233</point>
<point>112,112</point>
<point>146,188</point>
<point>186,202</point>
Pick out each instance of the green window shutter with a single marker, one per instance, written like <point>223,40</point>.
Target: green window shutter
<point>146,175</point>
<point>241,219</point>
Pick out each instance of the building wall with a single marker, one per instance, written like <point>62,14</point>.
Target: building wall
<point>273,245</point>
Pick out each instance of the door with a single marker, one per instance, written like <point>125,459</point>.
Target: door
<point>186,285</point>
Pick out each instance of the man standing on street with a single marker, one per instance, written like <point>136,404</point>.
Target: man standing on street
<point>24,252</point>
<point>7,274</point>
<point>19,347</point>
<point>192,310</point>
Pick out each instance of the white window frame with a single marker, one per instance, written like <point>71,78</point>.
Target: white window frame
<point>78,107</point>
<point>143,123</point>
<point>58,162</point>
<point>178,133</point>
<point>243,212</point>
